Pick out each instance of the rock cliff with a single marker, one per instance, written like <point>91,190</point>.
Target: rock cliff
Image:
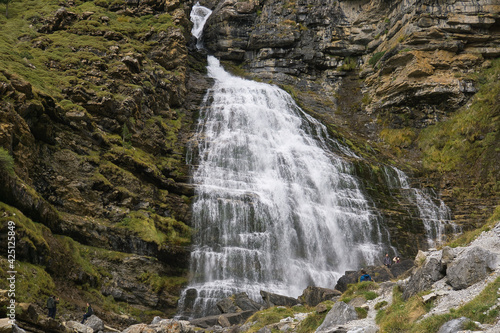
<point>96,106</point>
<point>383,73</point>
<point>98,99</point>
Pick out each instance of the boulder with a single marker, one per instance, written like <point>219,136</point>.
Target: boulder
<point>340,314</point>
<point>139,328</point>
<point>225,318</point>
<point>95,323</point>
<point>17,329</point>
<point>378,274</point>
<point>454,325</point>
<point>77,327</point>
<point>423,278</point>
<point>274,299</point>
<point>312,296</point>
<point>402,267</point>
<point>237,303</point>
<point>5,325</point>
<point>471,266</point>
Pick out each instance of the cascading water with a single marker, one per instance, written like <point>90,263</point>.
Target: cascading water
<point>435,217</point>
<point>277,208</point>
<point>277,205</point>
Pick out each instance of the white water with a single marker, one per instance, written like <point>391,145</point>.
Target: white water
<point>276,209</point>
<point>434,213</point>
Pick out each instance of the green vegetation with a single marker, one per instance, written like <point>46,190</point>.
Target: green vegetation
<point>362,312</point>
<point>33,283</point>
<point>6,162</point>
<point>398,139</point>
<point>470,136</point>
<point>269,316</point>
<point>59,60</point>
<point>375,58</point>
<point>152,227</point>
<point>349,64</point>
<point>400,315</point>
<point>363,289</point>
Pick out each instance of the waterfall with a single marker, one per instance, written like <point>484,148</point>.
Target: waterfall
<point>434,213</point>
<point>277,206</point>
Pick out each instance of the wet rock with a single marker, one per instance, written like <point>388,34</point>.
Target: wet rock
<point>312,296</point>
<point>237,303</point>
<point>271,299</point>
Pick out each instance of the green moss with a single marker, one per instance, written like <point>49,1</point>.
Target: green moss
<point>31,232</point>
<point>469,137</point>
<point>159,283</point>
<point>154,228</point>
<point>32,281</point>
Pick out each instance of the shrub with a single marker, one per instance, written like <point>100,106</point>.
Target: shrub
<point>6,161</point>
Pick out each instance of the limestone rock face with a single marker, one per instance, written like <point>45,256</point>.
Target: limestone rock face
<point>471,266</point>
<point>424,277</point>
<point>340,314</point>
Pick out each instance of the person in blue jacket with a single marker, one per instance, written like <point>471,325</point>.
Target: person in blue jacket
<point>365,277</point>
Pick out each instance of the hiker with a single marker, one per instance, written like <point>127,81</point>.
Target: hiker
<point>396,260</point>
<point>365,276</point>
<point>51,306</point>
<point>87,314</point>
<point>387,261</point>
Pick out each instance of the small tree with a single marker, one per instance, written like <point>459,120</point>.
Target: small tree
<point>6,2</point>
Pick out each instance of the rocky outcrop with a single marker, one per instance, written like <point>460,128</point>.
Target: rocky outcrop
<point>271,299</point>
<point>99,148</point>
<point>238,303</point>
<point>369,68</point>
<point>340,314</point>
<point>312,296</point>
<point>471,266</point>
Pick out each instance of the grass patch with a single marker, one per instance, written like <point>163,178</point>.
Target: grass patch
<point>364,289</point>
<point>362,312</point>
<point>269,316</point>
<point>32,281</point>
<point>400,315</point>
<point>470,136</point>
<point>375,58</point>
<point>398,139</point>
<point>481,309</point>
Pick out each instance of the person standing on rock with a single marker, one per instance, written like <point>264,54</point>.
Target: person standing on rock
<point>87,314</point>
<point>387,260</point>
<point>51,306</point>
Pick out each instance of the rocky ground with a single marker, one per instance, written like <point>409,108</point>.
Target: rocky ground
<point>445,279</point>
